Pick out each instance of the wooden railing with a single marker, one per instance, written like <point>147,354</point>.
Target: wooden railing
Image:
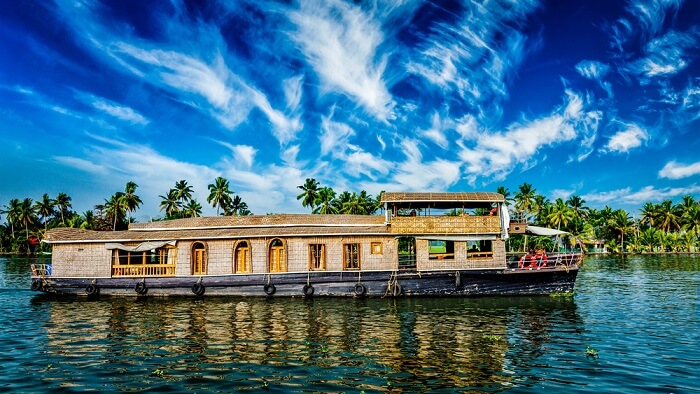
<point>468,224</point>
<point>41,269</point>
<point>144,270</point>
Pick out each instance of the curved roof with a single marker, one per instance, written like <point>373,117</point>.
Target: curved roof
<point>466,197</point>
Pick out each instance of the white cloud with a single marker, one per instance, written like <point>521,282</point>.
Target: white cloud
<point>673,170</point>
<point>124,113</point>
<point>293,91</point>
<point>630,137</point>
<point>592,69</point>
<point>647,194</point>
<point>341,42</point>
<point>495,154</point>
<point>665,55</point>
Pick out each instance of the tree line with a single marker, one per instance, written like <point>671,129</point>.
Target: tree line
<point>662,227</point>
<point>27,218</point>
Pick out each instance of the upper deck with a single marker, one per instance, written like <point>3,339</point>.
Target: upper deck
<point>470,213</point>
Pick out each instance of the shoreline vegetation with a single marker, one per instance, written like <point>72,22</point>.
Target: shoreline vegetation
<point>663,228</point>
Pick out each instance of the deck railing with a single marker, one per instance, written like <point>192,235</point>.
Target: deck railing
<point>467,224</point>
<point>144,270</point>
<point>41,269</point>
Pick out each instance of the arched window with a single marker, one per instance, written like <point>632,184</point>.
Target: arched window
<point>199,259</point>
<point>277,256</point>
<point>241,258</point>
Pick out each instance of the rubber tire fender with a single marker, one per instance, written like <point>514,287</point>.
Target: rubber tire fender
<point>308,290</point>
<point>360,290</point>
<point>36,285</point>
<point>397,290</point>
<point>269,289</point>
<point>91,289</point>
<point>141,288</point>
<point>198,289</point>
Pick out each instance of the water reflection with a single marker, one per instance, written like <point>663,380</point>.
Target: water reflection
<point>366,344</point>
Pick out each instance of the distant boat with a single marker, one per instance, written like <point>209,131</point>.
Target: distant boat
<point>425,244</point>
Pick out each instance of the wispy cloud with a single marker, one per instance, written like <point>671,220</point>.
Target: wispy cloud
<point>341,42</point>
<point>626,196</point>
<point>666,55</point>
<point>495,154</point>
<point>674,170</point>
<point>628,137</point>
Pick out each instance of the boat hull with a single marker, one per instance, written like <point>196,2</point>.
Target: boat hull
<point>484,282</point>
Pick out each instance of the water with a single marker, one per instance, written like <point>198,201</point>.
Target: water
<point>639,314</point>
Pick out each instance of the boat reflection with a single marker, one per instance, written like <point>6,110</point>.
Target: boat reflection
<point>422,342</point>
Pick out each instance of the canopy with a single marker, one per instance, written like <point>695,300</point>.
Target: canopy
<point>458,238</point>
<point>142,247</point>
<point>550,232</point>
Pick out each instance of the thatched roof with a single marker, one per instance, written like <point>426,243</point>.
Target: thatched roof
<point>228,227</point>
<point>442,200</point>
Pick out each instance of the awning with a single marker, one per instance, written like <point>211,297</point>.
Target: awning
<point>458,238</point>
<point>142,247</point>
<point>549,232</point>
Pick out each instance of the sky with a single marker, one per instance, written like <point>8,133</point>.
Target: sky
<point>599,99</point>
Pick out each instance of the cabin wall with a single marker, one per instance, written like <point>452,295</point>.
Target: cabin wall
<point>461,260</point>
<point>88,260</point>
<point>220,254</point>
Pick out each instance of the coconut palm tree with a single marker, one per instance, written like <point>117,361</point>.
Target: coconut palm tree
<point>130,200</point>
<point>88,220</point>
<point>219,194</point>
<point>234,206</point>
<point>170,204</point>
<point>341,200</point>
<point>26,215</point>
<point>578,205</point>
<point>63,203</point>
<point>621,222</point>
<point>310,193</point>
<point>12,211</point>
<point>184,191</point>
<point>45,208</point>
<point>193,209</point>
<point>649,213</point>
<point>324,202</point>
<point>668,215</point>
<point>691,220</point>
<point>505,193</point>
<point>115,208</point>
<point>560,214</point>
<point>524,200</point>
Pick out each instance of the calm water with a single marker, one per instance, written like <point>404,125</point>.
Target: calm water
<point>640,314</point>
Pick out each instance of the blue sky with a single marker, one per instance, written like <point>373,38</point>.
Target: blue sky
<point>599,99</point>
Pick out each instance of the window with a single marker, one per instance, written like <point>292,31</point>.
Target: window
<point>376,248</point>
<point>479,249</point>
<point>317,257</point>
<point>351,256</point>
<point>441,250</point>
<point>153,262</point>
<point>241,258</point>
<point>278,257</point>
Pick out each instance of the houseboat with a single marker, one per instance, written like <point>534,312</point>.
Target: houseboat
<point>424,244</point>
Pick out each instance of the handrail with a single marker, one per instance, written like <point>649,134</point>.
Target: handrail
<point>123,270</point>
<point>41,269</point>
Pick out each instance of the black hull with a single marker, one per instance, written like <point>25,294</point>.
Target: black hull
<point>486,282</point>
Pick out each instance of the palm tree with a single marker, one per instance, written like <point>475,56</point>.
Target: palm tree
<point>184,191</point>
<point>12,212</point>
<point>324,202</point>
<point>45,208</point>
<point>63,202</point>
<point>234,206</point>
<point>26,215</point>
<point>577,204</point>
<point>131,201</point>
<point>691,220</point>
<point>524,199</point>
<point>170,204</point>
<point>353,206</point>
<point>309,194</point>
<point>560,214</point>
<point>621,222</point>
<point>668,216</point>
<point>340,201</point>
<point>505,193</point>
<point>193,209</point>
<point>219,194</point>
<point>115,208</point>
<point>649,213</point>
<point>88,220</point>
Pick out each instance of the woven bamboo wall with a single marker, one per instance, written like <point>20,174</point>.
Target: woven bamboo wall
<point>81,260</point>
<point>445,225</point>
<point>461,259</point>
